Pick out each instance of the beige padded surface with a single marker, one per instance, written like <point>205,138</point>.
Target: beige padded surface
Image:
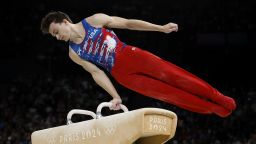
<point>142,126</point>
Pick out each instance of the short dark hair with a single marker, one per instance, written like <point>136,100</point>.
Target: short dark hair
<point>54,16</point>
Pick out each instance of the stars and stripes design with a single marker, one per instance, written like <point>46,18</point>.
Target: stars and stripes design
<point>98,46</point>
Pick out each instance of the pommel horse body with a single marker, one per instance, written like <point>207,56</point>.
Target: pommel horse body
<point>141,126</point>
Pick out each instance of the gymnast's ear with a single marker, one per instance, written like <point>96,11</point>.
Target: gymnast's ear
<point>65,21</point>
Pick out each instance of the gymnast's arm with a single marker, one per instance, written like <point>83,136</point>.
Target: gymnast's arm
<point>103,20</point>
<point>99,77</point>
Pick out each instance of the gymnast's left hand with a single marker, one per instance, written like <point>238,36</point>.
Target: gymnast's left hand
<point>170,27</point>
<point>116,102</point>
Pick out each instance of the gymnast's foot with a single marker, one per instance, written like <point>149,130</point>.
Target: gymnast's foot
<point>227,102</point>
<point>221,111</point>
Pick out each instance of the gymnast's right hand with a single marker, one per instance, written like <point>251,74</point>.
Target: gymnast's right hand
<point>116,102</point>
<point>170,27</point>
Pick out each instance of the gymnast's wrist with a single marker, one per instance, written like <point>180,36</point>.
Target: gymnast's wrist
<point>117,97</point>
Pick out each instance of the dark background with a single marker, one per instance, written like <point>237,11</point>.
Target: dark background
<point>216,41</point>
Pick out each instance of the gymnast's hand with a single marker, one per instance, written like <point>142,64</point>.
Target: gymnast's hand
<point>116,104</point>
<point>170,27</point>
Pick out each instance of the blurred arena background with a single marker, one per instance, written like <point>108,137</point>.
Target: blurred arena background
<point>39,85</point>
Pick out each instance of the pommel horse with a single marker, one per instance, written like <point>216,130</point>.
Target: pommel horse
<point>141,126</point>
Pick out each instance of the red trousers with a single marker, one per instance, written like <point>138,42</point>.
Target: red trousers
<point>152,76</point>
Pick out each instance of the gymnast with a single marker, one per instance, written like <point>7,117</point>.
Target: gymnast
<point>93,45</point>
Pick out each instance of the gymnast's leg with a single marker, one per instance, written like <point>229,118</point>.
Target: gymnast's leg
<point>135,68</point>
<point>162,91</point>
<point>149,64</point>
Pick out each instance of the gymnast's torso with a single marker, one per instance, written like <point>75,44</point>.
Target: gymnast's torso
<point>98,46</point>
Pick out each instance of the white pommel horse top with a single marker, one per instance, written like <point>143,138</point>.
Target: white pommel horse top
<point>141,126</point>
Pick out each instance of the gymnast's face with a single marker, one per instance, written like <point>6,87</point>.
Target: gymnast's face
<point>60,30</point>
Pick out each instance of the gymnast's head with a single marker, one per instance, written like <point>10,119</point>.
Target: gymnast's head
<point>58,24</point>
